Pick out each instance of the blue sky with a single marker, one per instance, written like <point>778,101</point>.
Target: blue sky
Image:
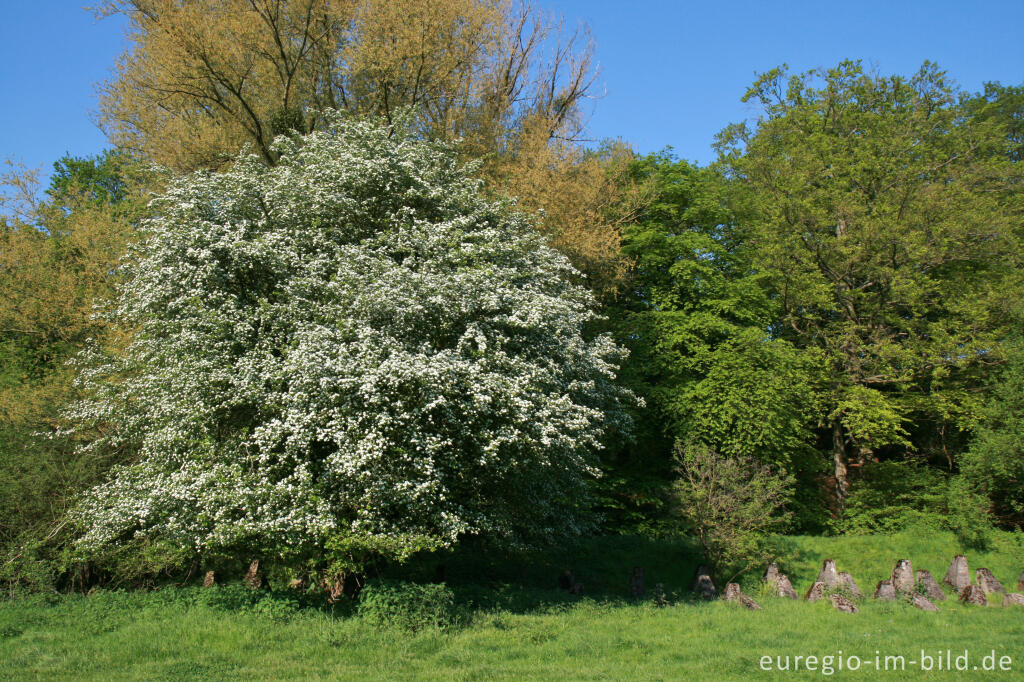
<point>672,73</point>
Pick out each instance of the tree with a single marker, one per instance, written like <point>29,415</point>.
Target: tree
<point>349,349</point>
<point>58,255</point>
<point>203,78</point>
<point>699,319</point>
<point>586,198</point>
<point>731,504</point>
<point>994,463</point>
<point>1004,105</point>
<point>888,222</point>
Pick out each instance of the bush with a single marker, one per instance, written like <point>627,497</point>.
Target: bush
<point>409,606</point>
<point>993,466</point>
<point>899,495</point>
<point>730,504</point>
<point>891,496</point>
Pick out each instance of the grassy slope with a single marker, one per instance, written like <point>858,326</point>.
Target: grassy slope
<point>177,634</point>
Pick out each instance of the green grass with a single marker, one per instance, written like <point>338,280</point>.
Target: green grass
<point>871,558</point>
<point>518,632</point>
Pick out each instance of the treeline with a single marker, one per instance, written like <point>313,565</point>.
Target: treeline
<point>837,298</point>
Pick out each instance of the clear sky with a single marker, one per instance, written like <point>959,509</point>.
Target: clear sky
<point>672,72</point>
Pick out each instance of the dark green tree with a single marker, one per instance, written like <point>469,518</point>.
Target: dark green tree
<point>701,325</point>
<point>1003,105</point>
<point>888,224</point>
<point>994,464</point>
<point>701,320</point>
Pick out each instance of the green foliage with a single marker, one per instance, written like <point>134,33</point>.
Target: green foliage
<point>1004,106</point>
<point>886,219</point>
<point>908,495</point>
<point>633,496</point>
<point>967,514</point>
<point>54,264</point>
<point>407,606</point>
<point>700,324</point>
<point>994,463</point>
<point>731,504</point>
<point>891,496</point>
<point>698,321</point>
<point>103,179</point>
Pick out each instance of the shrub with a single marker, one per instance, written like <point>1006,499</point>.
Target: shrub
<point>993,466</point>
<point>409,606</point>
<point>891,496</point>
<point>730,504</point>
<point>900,495</point>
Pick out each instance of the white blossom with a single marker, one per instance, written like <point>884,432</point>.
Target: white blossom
<point>351,343</point>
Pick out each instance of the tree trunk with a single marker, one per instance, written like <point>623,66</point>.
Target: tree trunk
<point>839,462</point>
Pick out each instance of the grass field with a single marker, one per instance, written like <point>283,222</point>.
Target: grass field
<point>525,630</point>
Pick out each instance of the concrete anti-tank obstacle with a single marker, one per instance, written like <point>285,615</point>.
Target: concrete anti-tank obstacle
<point>733,593</point>
<point>885,591</point>
<point>959,575</point>
<point>988,583</point>
<point>931,586</point>
<point>636,583</point>
<point>903,576</point>
<point>816,592</point>
<point>702,583</point>
<point>779,582</point>
<point>841,603</point>
<point>849,585</point>
<point>827,574</point>
<point>1013,599</point>
<point>972,594</point>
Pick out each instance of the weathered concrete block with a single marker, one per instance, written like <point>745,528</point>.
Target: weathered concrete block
<point>703,585</point>
<point>922,602</point>
<point>972,594</point>
<point>988,583</point>
<point>959,575</point>
<point>849,585</point>
<point>828,574</point>
<point>903,576</point>
<point>885,591</point>
<point>932,589</point>
<point>733,593</point>
<point>779,582</point>
<point>816,592</point>
<point>841,603</point>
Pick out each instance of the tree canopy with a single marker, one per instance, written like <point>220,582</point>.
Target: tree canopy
<point>202,78</point>
<point>888,222</point>
<point>349,348</point>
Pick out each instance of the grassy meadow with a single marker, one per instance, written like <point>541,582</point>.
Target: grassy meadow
<point>513,626</point>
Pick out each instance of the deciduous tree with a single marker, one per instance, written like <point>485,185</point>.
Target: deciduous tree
<point>201,78</point>
<point>58,255</point>
<point>348,349</point>
<point>889,224</point>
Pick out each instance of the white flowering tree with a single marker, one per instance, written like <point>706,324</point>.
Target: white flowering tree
<point>351,348</point>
